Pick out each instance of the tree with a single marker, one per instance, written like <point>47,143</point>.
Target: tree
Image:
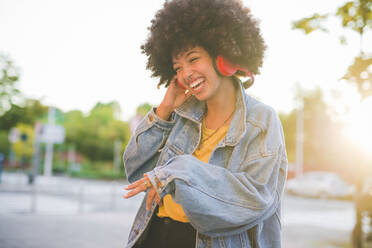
<point>94,135</point>
<point>143,109</point>
<point>9,76</point>
<point>357,16</point>
<point>25,115</point>
<point>360,74</point>
<point>289,128</point>
<point>325,147</point>
<point>28,113</point>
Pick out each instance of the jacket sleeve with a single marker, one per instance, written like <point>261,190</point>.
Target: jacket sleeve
<point>142,151</point>
<point>218,201</point>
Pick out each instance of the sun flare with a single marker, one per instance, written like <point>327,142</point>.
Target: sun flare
<point>359,125</point>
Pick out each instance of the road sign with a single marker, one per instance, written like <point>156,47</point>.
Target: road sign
<point>52,134</point>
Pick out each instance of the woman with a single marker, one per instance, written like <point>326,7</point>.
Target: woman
<point>210,158</point>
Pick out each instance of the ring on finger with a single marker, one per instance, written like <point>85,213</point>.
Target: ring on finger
<point>147,184</point>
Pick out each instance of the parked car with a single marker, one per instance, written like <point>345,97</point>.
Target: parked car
<point>320,185</point>
<point>362,231</point>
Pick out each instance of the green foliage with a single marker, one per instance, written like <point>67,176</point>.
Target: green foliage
<point>310,24</point>
<point>143,109</point>
<point>95,134</point>
<point>104,113</point>
<point>9,76</point>
<point>357,16</point>
<point>317,126</point>
<point>359,75</point>
<point>4,142</point>
<point>28,113</point>
<point>289,128</point>
<point>98,170</point>
<point>58,116</point>
<point>59,167</point>
<point>323,139</point>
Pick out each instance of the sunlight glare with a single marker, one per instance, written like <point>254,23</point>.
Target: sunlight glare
<point>359,125</point>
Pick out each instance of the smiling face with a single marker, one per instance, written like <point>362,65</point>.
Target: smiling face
<point>195,71</point>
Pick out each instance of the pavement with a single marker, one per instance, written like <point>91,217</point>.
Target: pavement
<point>68,212</point>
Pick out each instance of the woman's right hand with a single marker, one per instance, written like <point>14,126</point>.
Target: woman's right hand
<point>174,97</point>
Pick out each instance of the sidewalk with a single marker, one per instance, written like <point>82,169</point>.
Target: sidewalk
<point>72,212</point>
<point>62,195</point>
<point>68,212</point>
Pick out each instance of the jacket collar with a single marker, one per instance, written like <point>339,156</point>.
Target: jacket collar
<point>194,110</point>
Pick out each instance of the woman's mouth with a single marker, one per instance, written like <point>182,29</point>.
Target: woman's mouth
<point>196,85</point>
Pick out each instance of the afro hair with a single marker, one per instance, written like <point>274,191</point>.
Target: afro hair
<point>221,27</point>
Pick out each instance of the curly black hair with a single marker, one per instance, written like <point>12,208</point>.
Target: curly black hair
<point>221,27</point>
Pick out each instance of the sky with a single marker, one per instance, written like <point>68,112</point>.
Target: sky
<point>73,54</point>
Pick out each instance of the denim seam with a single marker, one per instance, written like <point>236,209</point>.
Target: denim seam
<point>255,123</point>
<point>222,242</point>
<point>260,156</point>
<point>276,212</point>
<point>242,241</point>
<point>160,126</point>
<point>229,201</point>
<point>163,141</point>
<point>128,153</point>
<point>185,115</point>
<point>142,130</point>
<point>280,223</point>
<point>176,149</point>
<point>137,236</point>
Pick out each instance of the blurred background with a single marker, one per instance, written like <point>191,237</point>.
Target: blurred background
<point>74,85</point>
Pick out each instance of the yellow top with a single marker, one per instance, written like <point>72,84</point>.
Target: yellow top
<point>210,138</point>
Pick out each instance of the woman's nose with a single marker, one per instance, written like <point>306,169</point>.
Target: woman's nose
<point>187,74</point>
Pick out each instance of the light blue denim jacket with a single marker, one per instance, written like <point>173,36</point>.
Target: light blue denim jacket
<point>232,201</point>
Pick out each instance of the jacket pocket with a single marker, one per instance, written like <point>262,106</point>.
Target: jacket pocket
<point>166,154</point>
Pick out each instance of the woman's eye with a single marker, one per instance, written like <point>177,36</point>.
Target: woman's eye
<point>176,69</point>
<point>194,59</point>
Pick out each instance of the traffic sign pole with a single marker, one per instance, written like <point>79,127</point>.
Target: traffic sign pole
<point>48,163</point>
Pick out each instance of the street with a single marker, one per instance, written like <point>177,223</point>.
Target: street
<point>65,212</point>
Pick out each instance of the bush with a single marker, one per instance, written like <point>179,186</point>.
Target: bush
<point>4,143</point>
<point>98,170</point>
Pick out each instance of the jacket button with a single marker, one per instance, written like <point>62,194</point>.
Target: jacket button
<point>136,231</point>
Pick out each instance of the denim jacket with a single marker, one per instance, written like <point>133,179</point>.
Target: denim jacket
<point>233,200</point>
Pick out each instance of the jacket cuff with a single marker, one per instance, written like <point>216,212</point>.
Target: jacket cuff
<point>153,119</point>
<point>162,185</point>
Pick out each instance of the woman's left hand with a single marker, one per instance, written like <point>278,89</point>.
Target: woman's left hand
<point>143,185</point>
